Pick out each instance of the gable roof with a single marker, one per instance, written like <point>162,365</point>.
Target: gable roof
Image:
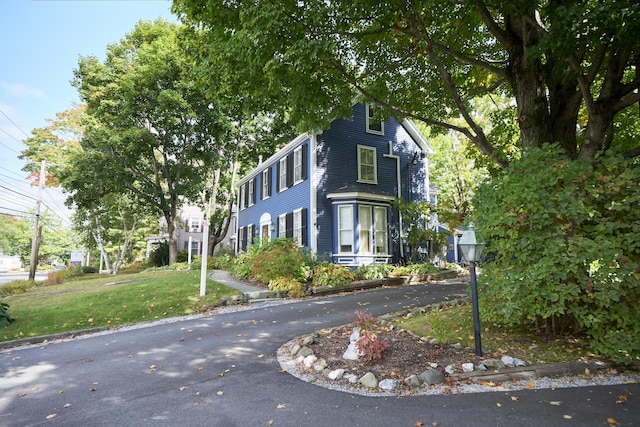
<point>407,124</point>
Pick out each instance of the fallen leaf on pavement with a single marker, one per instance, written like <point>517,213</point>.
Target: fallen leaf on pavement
<point>622,398</point>
<point>23,394</point>
<point>183,388</point>
<point>514,398</point>
<point>281,406</point>
<point>556,402</point>
<point>220,393</point>
<point>67,405</point>
<point>568,417</point>
<point>270,422</point>
<point>51,416</point>
<point>612,421</point>
<point>418,424</point>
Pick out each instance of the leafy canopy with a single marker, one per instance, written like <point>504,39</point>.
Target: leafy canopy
<point>569,66</point>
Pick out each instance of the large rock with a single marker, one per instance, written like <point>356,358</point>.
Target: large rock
<point>305,351</point>
<point>413,381</point>
<point>493,364</point>
<point>336,374</point>
<point>352,352</point>
<point>295,349</point>
<point>431,376</point>
<point>388,384</point>
<point>310,360</point>
<point>369,380</point>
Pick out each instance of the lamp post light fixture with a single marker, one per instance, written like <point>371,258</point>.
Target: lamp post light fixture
<point>472,245</point>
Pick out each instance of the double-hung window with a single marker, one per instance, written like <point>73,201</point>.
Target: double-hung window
<point>282,226</point>
<point>297,226</point>
<point>374,124</point>
<point>266,184</point>
<point>283,174</point>
<point>367,171</point>
<point>194,224</point>
<point>345,229</point>
<point>297,165</point>
<point>380,223</point>
<point>250,190</point>
<point>365,223</point>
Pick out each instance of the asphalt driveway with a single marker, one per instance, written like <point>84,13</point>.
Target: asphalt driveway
<point>221,370</point>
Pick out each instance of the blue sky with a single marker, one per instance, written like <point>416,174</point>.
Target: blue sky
<point>41,41</point>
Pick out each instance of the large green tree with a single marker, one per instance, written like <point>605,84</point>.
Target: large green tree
<point>570,66</point>
<point>153,130</point>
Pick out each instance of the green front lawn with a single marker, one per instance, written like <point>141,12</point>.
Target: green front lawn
<point>92,301</point>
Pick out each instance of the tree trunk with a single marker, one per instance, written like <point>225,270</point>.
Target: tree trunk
<point>173,238</point>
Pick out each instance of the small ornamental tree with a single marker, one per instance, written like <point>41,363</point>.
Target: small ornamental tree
<point>567,255</point>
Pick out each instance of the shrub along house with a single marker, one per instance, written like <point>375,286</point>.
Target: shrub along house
<point>333,191</point>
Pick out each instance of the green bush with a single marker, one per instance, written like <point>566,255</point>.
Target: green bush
<point>17,287</point>
<point>292,286</point>
<point>159,257</point>
<point>277,258</point>
<point>241,268</point>
<point>6,318</point>
<point>567,254</point>
<point>73,270</point>
<point>373,271</point>
<point>88,269</point>
<point>327,274</point>
<point>417,268</point>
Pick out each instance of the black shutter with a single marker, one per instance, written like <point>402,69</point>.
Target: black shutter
<point>290,170</point>
<point>262,195</point>
<point>304,227</point>
<point>305,160</point>
<point>289,224</point>
<point>253,182</point>
<point>243,238</point>
<point>269,178</point>
<point>278,176</point>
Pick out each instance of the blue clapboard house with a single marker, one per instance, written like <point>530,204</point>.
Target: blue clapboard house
<point>333,191</point>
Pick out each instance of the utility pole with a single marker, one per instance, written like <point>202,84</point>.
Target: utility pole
<point>35,241</point>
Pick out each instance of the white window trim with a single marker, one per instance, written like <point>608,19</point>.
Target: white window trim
<point>368,128</point>
<point>375,165</point>
<point>297,226</point>
<point>378,228</point>
<point>195,220</point>
<point>282,226</point>
<point>297,167</point>
<point>340,229</point>
<point>251,187</point>
<point>242,206</point>
<point>265,184</point>
<point>283,174</point>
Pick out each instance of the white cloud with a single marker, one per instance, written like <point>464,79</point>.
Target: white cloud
<point>22,90</point>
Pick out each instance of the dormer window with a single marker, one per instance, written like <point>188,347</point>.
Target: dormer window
<point>374,124</point>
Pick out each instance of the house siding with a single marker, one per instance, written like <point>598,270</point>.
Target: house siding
<point>335,172</point>
<point>280,201</point>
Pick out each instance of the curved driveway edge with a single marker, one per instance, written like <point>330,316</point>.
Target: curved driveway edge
<point>222,370</point>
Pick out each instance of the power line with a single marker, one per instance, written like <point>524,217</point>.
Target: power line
<point>14,123</point>
<point>15,202</point>
<point>18,193</point>
<point>15,173</point>
<point>15,210</point>
<point>15,179</point>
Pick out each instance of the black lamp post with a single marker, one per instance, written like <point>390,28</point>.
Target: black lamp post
<point>472,245</point>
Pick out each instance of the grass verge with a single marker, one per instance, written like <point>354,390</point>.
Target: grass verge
<point>452,325</point>
<point>94,301</point>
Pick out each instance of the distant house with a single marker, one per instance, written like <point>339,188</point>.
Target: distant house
<point>190,223</point>
<point>333,191</point>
